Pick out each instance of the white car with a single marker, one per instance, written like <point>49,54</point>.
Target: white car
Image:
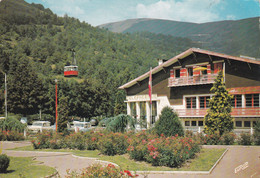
<point>80,126</point>
<point>40,126</point>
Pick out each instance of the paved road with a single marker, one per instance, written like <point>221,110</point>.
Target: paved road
<point>238,162</point>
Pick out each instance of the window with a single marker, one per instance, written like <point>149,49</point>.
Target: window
<point>193,123</point>
<point>254,123</point>
<point>190,102</point>
<point>177,73</point>
<point>154,111</point>
<point>142,110</point>
<point>247,124</point>
<point>187,123</point>
<point>204,101</point>
<point>237,101</point>
<point>238,123</point>
<point>190,71</point>
<point>200,123</point>
<point>133,109</point>
<point>252,100</point>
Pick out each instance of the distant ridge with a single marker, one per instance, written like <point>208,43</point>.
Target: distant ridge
<point>235,37</point>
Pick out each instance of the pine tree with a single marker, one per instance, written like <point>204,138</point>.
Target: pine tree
<point>169,123</point>
<point>218,119</point>
<point>63,113</point>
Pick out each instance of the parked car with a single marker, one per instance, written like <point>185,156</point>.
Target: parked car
<point>40,126</point>
<point>80,126</point>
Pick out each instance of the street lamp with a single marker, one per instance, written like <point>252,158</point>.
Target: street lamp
<point>56,94</point>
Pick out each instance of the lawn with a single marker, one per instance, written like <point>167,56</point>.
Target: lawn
<point>26,167</point>
<point>203,161</point>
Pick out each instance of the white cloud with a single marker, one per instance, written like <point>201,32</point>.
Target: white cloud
<point>231,17</point>
<point>187,10</point>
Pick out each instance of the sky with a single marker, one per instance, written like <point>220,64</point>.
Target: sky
<point>97,12</point>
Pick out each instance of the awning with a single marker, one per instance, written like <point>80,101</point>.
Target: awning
<point>200,69</point>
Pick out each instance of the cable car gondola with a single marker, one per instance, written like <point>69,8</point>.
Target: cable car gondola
<point>71,70</point>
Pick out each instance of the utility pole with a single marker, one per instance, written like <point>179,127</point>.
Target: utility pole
<point>56,94</point>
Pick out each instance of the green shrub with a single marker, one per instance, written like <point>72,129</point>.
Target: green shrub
<point>229,138</point>
<point>42,140</point>
<point>169,123</point>
<point>76,141</point>
<point>245,139</point>
<point>113,144</point>
<point>11,135</point>
<point>11,124</point>
<point>256,135</point>
<point>119,123</point>
<point>4,163</point>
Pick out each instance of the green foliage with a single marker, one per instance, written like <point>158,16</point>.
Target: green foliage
<point>169,123</point>
<point>245,139</point>
<point>34,50</point>
<point>4,162</point>
<point>11,124</point>
<point>11,135</point>
<point>218,119</point>
<point>120,123</point>
<point>63,113</point>
<point>256,134</point>
<point>113,144</point>
<point>229,138</point>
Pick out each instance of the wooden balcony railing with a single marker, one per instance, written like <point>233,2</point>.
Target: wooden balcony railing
<point>192,80</point>
<point>236,112</point>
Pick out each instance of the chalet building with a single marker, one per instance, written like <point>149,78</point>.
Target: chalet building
<point>184,82</point>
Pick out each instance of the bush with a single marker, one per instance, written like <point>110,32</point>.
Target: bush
<point>4,163</point>
<point>256,135</point>
<point>11,135</point>
<point>97,170</point>
<point>162,151</point>
<point>169,123</point>
<point>12,124</point>
<point>229,138</point>
<point>42,140</point>
<point>113,144</point>
<point>245,139</point>
<point>120,123</point>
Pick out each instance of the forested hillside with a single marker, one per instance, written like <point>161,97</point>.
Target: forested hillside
<point>233,37</point>
<point>35,46</point>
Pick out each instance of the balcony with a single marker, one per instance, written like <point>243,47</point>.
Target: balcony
<point>192,80</point>
<point>236,112</point>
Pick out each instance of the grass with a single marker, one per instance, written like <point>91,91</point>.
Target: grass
<point>203,161</point>
<point>26,167</point>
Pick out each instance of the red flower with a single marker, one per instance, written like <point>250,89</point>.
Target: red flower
<point>128,173</point>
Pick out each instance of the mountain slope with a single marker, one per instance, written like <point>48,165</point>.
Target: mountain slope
<point>239,37</point>
<point>31,34</point>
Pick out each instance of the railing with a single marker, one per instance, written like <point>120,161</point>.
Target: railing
<point>192,80</point>
<point>236,112</point>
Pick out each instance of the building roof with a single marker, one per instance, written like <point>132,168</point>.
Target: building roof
<point>181,56</point>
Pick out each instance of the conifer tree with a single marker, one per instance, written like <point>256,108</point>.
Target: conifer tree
<point>169,123</point>
<point>218,119</point>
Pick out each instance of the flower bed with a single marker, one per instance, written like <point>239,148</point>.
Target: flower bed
<point>154,149</point>
<point>97,170</point>
<point>11,135</point>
